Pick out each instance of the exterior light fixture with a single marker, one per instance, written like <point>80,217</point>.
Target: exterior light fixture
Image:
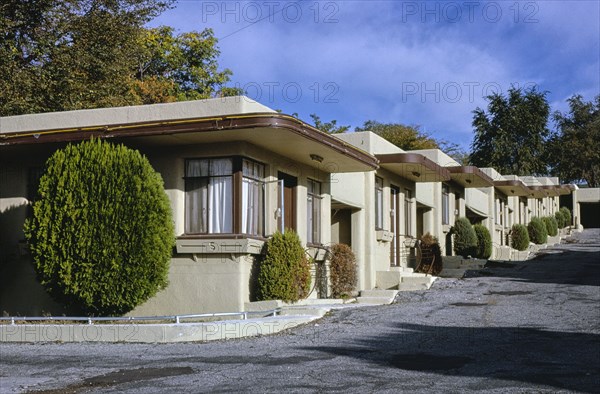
<point>316,158</point>
<point>468,181</point>
<point>416,174</point>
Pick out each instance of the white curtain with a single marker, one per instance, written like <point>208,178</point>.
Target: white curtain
<point>220,201</point>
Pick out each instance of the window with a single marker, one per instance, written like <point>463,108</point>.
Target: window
<point>224,196</point>
<point>313,212</point>
<point>252,197</point>
<point>445,204</point>
<point>408,212</point>
<point>378,203</point>
<point>209,196</point>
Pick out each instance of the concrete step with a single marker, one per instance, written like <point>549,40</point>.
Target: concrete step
<point>416,279</point>
<point>375,300</point>
<point>403,270</point>
<point>377,297</point>
<point>378,293</point>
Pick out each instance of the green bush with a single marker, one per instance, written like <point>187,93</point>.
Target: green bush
<point>342,271</point>
<point>284,273</point>
<point>537,231</point>
<point>101,234</point>
<point>465,239</point>
<point>561,220</point>
<point>551,225</point>
<point>519,237</point>
<point>484,242</point>
<point>567,214</point>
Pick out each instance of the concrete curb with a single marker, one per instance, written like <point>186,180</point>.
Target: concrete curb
<point>151,333</point>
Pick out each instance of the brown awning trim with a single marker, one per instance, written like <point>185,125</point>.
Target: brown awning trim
<point>538,191</point>
<point>196,125</point>
<point>413,166</point>
<point>552,190</point>
<point>513,188</point>
<point>470,176</point>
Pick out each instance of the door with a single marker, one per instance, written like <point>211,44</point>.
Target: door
<point>288,205</point>
<point>395,226</point>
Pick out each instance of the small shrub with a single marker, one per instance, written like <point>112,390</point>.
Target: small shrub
<point>561,220</point>
<point>484,242</point>
<point>101,234</point>
<point>465,239</point>
<point>519,237</point>
<point>342,271</point>
<point>567,214</point>
<point>284,273</point>
<point>431,255</point>
<point>551,225</point>
<point>537,231</point>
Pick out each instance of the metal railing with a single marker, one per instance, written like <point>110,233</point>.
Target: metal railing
<point>131,319</point>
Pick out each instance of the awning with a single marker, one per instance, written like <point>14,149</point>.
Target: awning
<point>513,188</point>
<point>476,212</point>
<point>538,191</point>
<point>552,190</point>
<point>470,176</point>
<point>413,166</point>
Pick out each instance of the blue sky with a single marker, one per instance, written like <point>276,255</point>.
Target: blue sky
<point>424,63</point>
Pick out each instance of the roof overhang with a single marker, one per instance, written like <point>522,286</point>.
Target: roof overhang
<point>282,134</point>
<point>552,190</point>
<point>413,166</point>
<point>513,188</point>
<point>470,176</point>
<point>565,189</point>
<point>538,191</point>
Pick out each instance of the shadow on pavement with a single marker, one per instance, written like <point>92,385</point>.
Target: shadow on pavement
<point>560,266</point>
<point>559,359</point>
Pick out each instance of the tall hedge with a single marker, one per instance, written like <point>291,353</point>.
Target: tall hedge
<point>284,272</point>
<point>561,219</point>
<point>519,237</point>
<point>465,239</point>
<point>537,231</point>
<point>484,242</point>
<point>342,271</point>
<point>567,214</point>
<point>551,225</point>
<point>101,234</point>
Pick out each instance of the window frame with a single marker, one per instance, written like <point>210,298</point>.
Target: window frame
<point>237,185</point>
<point>313,210</point>
<point>445,204</point>
<point>379,186</point>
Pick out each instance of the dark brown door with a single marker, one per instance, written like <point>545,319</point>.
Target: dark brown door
<point>289,201</point>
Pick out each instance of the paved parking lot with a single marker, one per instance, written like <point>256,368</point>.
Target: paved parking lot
<point>512,327</point>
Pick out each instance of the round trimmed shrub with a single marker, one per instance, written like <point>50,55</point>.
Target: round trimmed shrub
<point>484,242</point>
<point>567,214</point>
<point>551,225</point>
<point>101,233</point>
<point>561,220</point>
<point>465,240</point>
<point>342,271</point>
<point>284,272</point>
<point>537,231</point>
<point>519,237</point>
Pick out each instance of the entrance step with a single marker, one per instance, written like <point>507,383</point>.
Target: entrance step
<point>377,297</point>
<point>453,273</point>
<point>394,280</point>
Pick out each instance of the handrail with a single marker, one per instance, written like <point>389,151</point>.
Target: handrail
<point>131,319</point>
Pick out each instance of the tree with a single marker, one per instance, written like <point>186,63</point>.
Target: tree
<point>179,67</point>
<point>510,137</point>
<point>101,234</point>
<point>574,148</point>
<point>58,55</point>
<point>328,127</point>
<point>404,137</point>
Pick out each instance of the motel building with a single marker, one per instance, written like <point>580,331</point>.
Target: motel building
<point>236,172</point>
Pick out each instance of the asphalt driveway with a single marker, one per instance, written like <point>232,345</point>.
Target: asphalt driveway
<point>512,327</point>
